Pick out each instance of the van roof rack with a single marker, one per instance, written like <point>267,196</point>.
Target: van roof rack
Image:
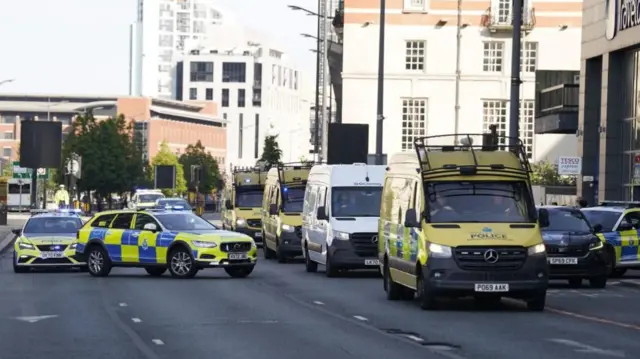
<point>491,142</point>
<point>625,204</point>
<point>282,167</point>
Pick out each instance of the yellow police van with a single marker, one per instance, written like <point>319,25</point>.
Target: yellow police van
<point>460,220</point>
<point>282,211</point>
<point>243,203</point>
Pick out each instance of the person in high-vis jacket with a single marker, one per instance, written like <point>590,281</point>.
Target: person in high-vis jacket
<point>62,197</point>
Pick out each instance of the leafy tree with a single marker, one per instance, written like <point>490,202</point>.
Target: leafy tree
<point>545,173</point>
<point>210,178</point>
<point>271,152</point>
<point>168,158</point>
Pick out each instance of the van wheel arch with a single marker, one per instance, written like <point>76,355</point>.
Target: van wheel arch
<point>178,244</point>
<point>94,242</point>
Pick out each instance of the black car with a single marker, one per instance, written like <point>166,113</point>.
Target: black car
<point>574,251</point>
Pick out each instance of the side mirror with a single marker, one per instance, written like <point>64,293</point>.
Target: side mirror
<point>543,218</point>
<point>227,204</point>
<point>597,228</point>
<point>273,209</point>
<point>410,218</point>
<point>17,231</point>
<point>625,226</point>
<point>150,227</point>
<point>322,214</point>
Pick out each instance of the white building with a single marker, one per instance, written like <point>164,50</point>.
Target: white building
<point>256,89</point>
<point>163,32</point>
<point>420,67</point>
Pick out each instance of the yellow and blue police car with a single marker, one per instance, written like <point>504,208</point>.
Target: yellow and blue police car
<point>47,240</point>
<point>157,240</point>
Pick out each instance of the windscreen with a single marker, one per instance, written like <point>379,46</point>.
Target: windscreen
<point>479,202</point>
<point>174,203</point>
<point>152,197</point>
<point>567,220</point>
<point>293,199</point>
<point>355,201</point>
<point>183,222</point>
<point>250,199</point>
<point>52,225</point>
<point>607,219</point>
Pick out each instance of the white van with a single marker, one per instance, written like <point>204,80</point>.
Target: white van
<point>340,217</point>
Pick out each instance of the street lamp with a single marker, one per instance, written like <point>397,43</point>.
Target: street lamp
<point>49,106</point>
<point>6,81</point>
<point>380,116</point>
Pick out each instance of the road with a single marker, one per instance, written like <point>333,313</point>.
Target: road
<point>282,312</point>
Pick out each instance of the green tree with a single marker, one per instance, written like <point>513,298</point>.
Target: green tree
<point>167,158</point>
<point>546,174</point>
<point>210,179</point>
<point>271,152</point>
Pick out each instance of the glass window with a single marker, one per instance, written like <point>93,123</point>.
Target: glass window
<point>355,201</point>
<point>209,94</point>
<point>52,225</point>
<point>15,188</point>
<point>174,203</point>
<point>567,220</point>
<point>241,99</point>
<point>8,135</point>
<point>607,219</point>
<point>142,219</point>
<point>123,221</point>
<point>150,197</point>
<point>293,198</point>
<point>103,221</point>
<point>225,97</point>
<point>201,71</point>
<point>6,152</point>
<point>193,94</point>
<point>184,222</point>
<point>250,199</point>
<point>234,72</point>
<point>8,119</point>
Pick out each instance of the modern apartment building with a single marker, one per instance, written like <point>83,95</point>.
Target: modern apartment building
<point>164,31</point>
<point>421,68</point>
<point>259,93</point>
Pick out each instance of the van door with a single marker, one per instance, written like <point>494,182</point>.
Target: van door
<point>315,240</point>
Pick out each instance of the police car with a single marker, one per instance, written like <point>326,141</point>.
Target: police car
<point>174,204</point>
<point>620,222</point>
<point>48,239</point>
<point>158,240</point>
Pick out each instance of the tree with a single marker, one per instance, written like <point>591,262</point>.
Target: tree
<point>546,174</point>
<point>271,152</point>
<point>210,178</point>
<point>168,158</point>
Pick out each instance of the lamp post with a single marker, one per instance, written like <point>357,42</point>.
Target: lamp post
<point>6,81</point>
<point>380,110</point>
<point>514,108</point>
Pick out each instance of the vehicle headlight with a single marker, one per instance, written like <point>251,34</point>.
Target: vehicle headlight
<point>240,222</point>
<point>595,245</point>
<point>202,244</point>
<point>537,249</point>
<point>439,251</point>
<point>341,235</point>
<point>288,228</point>
<point>25,245</point>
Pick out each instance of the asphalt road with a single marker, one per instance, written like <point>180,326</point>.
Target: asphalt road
<point>282,312</point>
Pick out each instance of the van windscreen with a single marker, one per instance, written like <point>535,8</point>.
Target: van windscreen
<point>479,202</point>
<point>355,201</point>
<point>250,199</point>
<point>293,199</point>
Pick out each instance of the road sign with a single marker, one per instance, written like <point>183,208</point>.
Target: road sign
<point>569,166</point>
<point>43,173</point>
<point>20,172</point>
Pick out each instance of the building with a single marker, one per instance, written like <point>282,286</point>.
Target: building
<point>163,32</point>
<point>155,120</point>
<point>609,112</point>
<point>259,90</point>
<point>421,67</point>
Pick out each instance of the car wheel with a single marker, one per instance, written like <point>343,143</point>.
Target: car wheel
<point>310,266</point>
<point>98,261</point>
<point>239,272</point>
<point>181,263</point>
<point>393,289</point>
<point>537,303</point>
<point>599,282</point>
<point>155,271</point>
<point>16,267</point>
<point>330,269</point>
<point>281,256</point>
<point>425,296</point>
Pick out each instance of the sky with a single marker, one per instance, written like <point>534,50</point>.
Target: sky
<point>82,46</point>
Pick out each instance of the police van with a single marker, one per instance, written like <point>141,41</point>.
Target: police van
<point>340,217</point>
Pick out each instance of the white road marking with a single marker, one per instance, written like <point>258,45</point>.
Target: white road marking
<point>35,319</point>
<point>360,318</point>
<point>584,348</point>
<point>123,304</point>
<point>613,283</point>
<point>257,321</point>
<point>318,302</point>
<point>136,320</point>
<point>413,337</point>
<point>157,341</point>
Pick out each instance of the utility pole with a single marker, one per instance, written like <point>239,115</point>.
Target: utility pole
<point>514,108</point>
<point>323,52</point>
<point>380,115</point>
<point>316,125</point>
<point>458,60</point>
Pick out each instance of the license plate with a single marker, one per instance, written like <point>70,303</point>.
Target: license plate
<point>47,255</point>
<point>237,256</point>
<point>492,287</point>
<point>371,262</point>
<point>258,235</point>
<point>563,260</point>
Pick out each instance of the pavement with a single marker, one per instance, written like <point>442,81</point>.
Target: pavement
<point>280,311</point>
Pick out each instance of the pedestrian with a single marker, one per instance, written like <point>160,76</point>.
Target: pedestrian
<point>62,197</point>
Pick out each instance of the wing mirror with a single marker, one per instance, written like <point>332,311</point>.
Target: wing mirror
<point>543,218</point>
<point>625,226</point>
<point>597,228</point>
<point>17,231</point>
<point>410,218</point>
<point>150,227</point>
<point>227,204</point>
<point>322,214</point>
<point>273,209</point>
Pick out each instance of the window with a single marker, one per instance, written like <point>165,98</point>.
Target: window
<point>257,98</point>
<point>165,40</point>
<point>199,27</point>
<point>209,94</point>
<point>295,80</point>
<point>9,119</point>
<point>6,152</point>
<point>493,56</point>
<point>241,99</point>
<point>142,219</point>
<point>528,56</point>
<point>527,115</point>
<point>415,5</point>
<point>193,94</point>
<point>415,55</point>
<point>123,221</point>
<point>166,56</point>
<point>494,112</point>
<point>234,72</point>
<point>225,97</point>
<point>240,135</point>
<point>256,142</point>
<point>414,121</point>
<point>201,71</point>
<point>166,25</point>
<point>103,221</point>
<point>8,135</point>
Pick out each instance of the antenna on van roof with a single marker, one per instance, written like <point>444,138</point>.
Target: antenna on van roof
<point>366,168</point>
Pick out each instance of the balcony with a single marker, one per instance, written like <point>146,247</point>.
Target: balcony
<point>557,109</point>
<point>499,18</point>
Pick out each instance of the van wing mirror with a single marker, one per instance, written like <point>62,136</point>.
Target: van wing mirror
<point>597,228</point>
<point>17,231</point>
<point>322,214</point>
<point>411,218</point>
<point>543,218</point>
<point>227,204</point>
<point>273,209</point>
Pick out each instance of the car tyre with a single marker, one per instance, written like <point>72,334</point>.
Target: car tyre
<point>393,289</point>
<point>538,302</point>
<point>280,254</point>
<point>239,272</point>
<point>611,261</point>
<point>599,282</point>
<point>155,271</point>
<point>425,296</point>
<point>16,267</point>
<point>181,263</point>
<point>309,265</point>
<point>98,261</point>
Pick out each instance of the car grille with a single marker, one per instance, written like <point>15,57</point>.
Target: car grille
<point>298,231</point>
<point>363,244</point>
<point>52,247</point>
<point>51,261</point>
<point>472,258</point>
<point>576,250</point>
<point>255,223</point>
<point>235,247</point>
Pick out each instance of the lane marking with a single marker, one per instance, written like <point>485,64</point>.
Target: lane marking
<point>360,318</point>
<point>413,337</point>
<point>318,302</point>
<point>123,304</point>
<point>594,319</point>
<point>136,320</point>
<point>157,341</point>
<point>35,318</point>
<point>584,348</point>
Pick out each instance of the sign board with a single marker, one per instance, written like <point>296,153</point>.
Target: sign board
<point>21,172</point>
<point>587,179</point>
<point>569,166</point>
